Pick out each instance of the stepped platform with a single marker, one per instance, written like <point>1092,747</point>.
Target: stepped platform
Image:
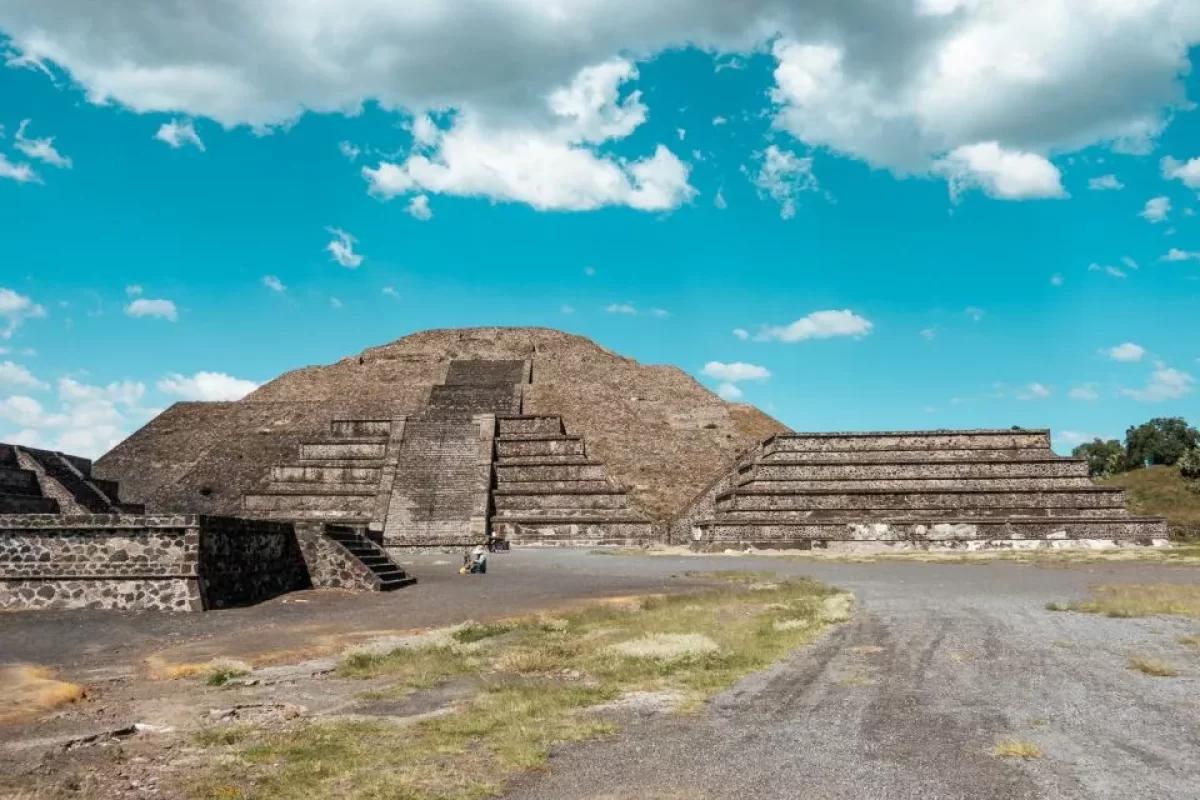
<point>919,489</point>
<point>34,481</point>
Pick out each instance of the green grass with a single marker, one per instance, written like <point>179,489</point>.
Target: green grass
<point>536,683</point>
<point>223,736</point>
<point>1162,492</point>
<point>222,671</point>
<point>477,633</point>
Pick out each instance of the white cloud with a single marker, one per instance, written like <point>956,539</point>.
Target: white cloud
<point>719,120</point>
<point>682,133</point>
<point>728,391</point>
<point>14,310</point>
<point>1085,391</point>
<point>819,325</point>
<point>418,208</point>
<point>976,314</point>
<point>621,308</point>
<point>144,307</point>
<point>179,132</point>
<point>134,290</point>
<point>17,376</point>
<point>1175,254</point>
<point>1129,262</point>
<point>1057,279</point>
<point>1107,269</point>
<point>1165,383</point>
<point>349,150</point>
<point>737,371</point>
<point>89,419</point>
<point>390,291</point>
<point>209,386</point>
<point>1034,391</point>
<point>1105,183</point>
<point>21,173</point>
<point>273,283</point>
<point>719,200</point>
<point>783,176</point>
<point>741,333</point>
<point>551,165</point>
<point>1188,172</point>
<point>1000,173</point>
<point>341,249</point>
<point>1156,210</point>
<point>661,313</point>
<point>1125,352</point>
<point>40,149</point>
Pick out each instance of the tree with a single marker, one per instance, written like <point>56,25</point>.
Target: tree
<point>1162,440</point>
<point>1189,464</point>
<point>1104,458</point>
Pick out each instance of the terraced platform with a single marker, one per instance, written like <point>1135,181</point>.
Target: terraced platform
<point>969,489</point>
<point>34,481</point>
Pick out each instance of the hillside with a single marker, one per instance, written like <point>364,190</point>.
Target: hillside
<point>1161,492</point>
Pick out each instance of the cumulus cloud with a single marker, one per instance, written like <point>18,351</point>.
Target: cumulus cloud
<point>1000,173</point>
<point>1125,352</point>
<point>14,310</point>
<point>273,283</point>
<point>418,208</point>
<point>551,165</point>
<point>40,149</point>
<point>1175,254</point>
<point>783,176</point>
<point>728,391</point>
<point>341,249</point>
<point>178,133</point>
<point>88,421</point>
<point>208,386</point>
<point>1165,383</point>
<point>737,371</point>
<point>1156,210</point>
<point>1085,391</point>
<point>350,151</point>
<point>145,307</point>
<point>1186,171</point>
<point>16,376</point>
<point>21,173</point>
<point>1105,183</point>
<point>818,325</point>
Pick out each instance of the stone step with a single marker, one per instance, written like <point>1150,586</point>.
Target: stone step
<point>320,487</point>
<point>864,515</point>
<point>770,533</point>
<point>910,440</point>
<point>73,475</point>
<point>816,499</point>
<point>360,428</point>
<point>466,401</point>
<point>906,456</point>
<point>529,425</point>
<point>927,469</point>
<point>429,533</point>
<point>568,486</point>
<point>480,372</point>
<point>346,450</point>
<point>325,474</point>
<point>312,506</point>
<point>585,471</point>
<point>27,504</point>
<point>573,532</point>
<point>14,480</point>
<point>535,502</point>
<point>1026,484</point>
<point>548,460</point>
<point>540,446</point>
<point>8,456</point>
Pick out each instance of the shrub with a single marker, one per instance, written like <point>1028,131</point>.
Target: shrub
<point>1189,464</point>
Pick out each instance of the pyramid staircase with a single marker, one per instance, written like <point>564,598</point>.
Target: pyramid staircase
<point>34,481</point>
<point>921,488</point>
<point>549,491</point>
<point>386,574</point>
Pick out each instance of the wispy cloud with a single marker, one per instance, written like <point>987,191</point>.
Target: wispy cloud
<point>178,133</point>
<point>341,249</point>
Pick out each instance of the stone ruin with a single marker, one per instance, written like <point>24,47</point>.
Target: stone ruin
<point>531,436</point>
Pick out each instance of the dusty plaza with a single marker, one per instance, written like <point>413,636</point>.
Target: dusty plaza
<point>509,562</point>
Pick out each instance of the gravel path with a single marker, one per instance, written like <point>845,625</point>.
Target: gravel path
<point>942,662</point>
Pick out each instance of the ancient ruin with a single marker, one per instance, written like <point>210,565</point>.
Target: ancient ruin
<point>531,436</point>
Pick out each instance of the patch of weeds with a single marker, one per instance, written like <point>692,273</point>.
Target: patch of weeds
<point>1155,668</point>
<point>1189,641</point>
<point>222,671</point>
<point>533,683</point>
<point>855,679</point>
<point>961,658</point>
<point>1017,748</point>
<point>1038,723</point>
<point>1144,600</point>
<point>1052,606</point>
<point>478,632</point>
<point>1067,643</point>
<point>223,736</point>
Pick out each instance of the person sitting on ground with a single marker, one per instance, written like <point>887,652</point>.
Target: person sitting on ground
<point>480,564</point>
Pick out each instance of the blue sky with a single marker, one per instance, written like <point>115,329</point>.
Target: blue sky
<point>964,214</point>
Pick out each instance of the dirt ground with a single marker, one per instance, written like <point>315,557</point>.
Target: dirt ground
<point>943,662</point>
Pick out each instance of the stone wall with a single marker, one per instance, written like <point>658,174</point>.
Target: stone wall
<point>144,562</point>
<point>330,564</point>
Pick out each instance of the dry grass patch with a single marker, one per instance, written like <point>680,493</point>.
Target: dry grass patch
<point>1189,641</point>
<point>1134,600</point>
<point>1017,748</point>
<point>1154,667</point>
<point>27,691</point>
<point>538,679</point>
